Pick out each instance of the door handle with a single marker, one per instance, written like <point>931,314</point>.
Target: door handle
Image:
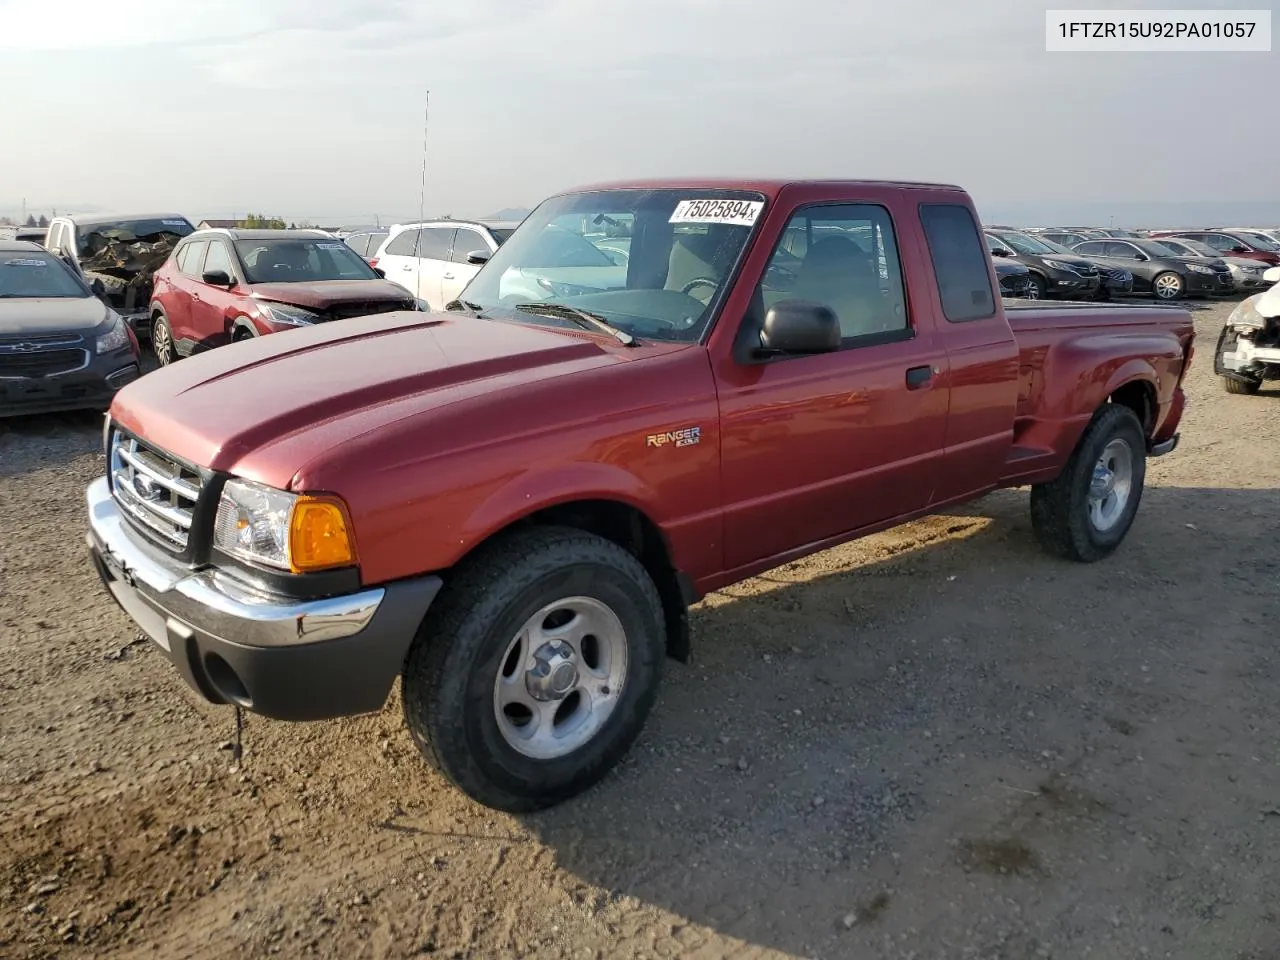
<point>448,276</point>
<point>918,377</point>
<point>407,266</point>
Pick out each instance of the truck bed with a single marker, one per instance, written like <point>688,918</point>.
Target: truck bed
<point>1151,340</point>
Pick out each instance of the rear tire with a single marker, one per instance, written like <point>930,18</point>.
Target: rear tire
<point>1086,511</point>
<point>530,623</point>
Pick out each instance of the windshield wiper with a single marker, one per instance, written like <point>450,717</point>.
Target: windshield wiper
<point>454,305</point>
<point>581,316</point>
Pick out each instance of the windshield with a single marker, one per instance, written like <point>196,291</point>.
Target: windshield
<point>1024,243</point>
<point>35,273</point>
<point>682,248</point>
<point>1261,241</point>
<point>301,260</point>
<point>1053,245</point>
<point>94,237</point>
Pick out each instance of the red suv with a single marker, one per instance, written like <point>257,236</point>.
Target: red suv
<point>225,285</point>
<point>1231,243</point>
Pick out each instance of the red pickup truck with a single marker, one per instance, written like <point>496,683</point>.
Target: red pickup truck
<point>511,504</point>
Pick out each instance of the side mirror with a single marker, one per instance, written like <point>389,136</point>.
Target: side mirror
<point>1239,249</point>
<point>1271,275</point>
<point>1002,252</point>
<point>1140,256</point>
<point>800,326</point>
<point>477,257</point>
<point>218,278</point>
<point>380,272</point>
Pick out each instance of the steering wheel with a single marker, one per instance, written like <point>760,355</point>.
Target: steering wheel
<point>697,282</point>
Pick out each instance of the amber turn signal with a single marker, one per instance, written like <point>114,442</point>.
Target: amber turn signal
<point>319,535</point>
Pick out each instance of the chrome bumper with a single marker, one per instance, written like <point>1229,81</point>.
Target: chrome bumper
<point>211,602</point>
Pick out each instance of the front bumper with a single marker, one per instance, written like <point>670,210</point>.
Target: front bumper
<point>89,389</point>
<point>1210,283</point>
<point>282,658</point>
<point>1072,285</point>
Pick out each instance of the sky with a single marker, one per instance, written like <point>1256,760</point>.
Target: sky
<point>314,109</point>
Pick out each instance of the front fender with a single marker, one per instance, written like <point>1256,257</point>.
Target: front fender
<point>539,489</point>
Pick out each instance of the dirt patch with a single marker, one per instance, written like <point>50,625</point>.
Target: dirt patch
<point>1104,738</point>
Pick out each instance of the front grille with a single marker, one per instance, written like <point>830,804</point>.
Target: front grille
<point>344,311</point>
<point>30,359</point>
<point>153,489</point>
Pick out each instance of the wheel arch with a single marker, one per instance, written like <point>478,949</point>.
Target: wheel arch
<point>241,327</point>
<point>1138,393</point>
<point>631,528</point>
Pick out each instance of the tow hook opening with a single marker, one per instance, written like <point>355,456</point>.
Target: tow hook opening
<point>226,681</point>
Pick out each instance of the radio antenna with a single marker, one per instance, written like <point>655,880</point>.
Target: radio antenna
<point>422,196</point>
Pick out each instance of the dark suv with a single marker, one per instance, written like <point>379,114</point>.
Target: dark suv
<point>1052,274</point>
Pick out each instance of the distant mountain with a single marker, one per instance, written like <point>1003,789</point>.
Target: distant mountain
<point>510,213</point>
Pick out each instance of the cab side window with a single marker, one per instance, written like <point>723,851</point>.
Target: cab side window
<point>403,244</point>
<point>844,256</point>
<point>191,258</point>
<point>961,265</point>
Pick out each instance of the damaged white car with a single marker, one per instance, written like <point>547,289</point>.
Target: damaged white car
<point>1249,348</point>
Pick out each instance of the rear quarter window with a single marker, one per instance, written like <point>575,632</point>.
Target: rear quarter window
<point>960,262</point>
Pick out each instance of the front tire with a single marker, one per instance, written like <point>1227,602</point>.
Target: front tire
<point>1247,387</point>
<point>162,340</point>
<point>1168,286</point>
<point>1086,511</point>
<point>1037,288</point>
<point>536,672</point>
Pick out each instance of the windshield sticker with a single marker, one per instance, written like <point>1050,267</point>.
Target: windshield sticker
<point>330,246</point>
<point>28,262</point>
<point>174,223</point>
<point>742,213</point>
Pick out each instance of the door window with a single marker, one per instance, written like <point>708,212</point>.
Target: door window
<point>844,256</point>
<point>217,259</point>
<point>960,265</point>
<point>403,244</point>
<point>433,243</point>
<point>191,260</point>
<point>467,241</point>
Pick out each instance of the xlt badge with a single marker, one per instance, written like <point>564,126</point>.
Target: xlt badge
<point>685,437</point>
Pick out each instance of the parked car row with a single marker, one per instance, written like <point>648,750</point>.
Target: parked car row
<point>1083,263</point>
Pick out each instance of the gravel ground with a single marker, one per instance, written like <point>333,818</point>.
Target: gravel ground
<point>933,743</point>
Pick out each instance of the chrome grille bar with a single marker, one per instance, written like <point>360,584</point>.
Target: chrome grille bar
<point>153,489</point>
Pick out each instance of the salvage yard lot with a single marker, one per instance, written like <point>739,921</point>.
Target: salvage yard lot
<point>935,742</point>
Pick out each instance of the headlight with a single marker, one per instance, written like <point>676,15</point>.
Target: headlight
<point>1246,315</point>
<point>288,531</point>
<point>115,338</point>
<point>293,316</point>
<point>1059,265</point>
<point>1199,268</point>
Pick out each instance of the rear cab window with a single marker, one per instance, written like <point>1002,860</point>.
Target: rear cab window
<point>960,262</point>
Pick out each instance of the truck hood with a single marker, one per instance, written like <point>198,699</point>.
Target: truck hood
<point>47,315</point>
<point>263,408</point>
<point>321,294</point>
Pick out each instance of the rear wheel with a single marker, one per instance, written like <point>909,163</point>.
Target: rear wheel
<point>1086,511</point>
<point>1168,286</point>
<point>536,672</point>
<point>162,340</point>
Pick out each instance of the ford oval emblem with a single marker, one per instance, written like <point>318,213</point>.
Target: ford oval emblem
<point>146,488</point>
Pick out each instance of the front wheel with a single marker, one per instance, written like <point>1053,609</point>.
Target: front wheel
<point>162,340</point>
<point>1168,286</point>
<point>535,674</point>
<point>1086,511</point>
<point>1036,288</point>
<point>1241,386</point>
